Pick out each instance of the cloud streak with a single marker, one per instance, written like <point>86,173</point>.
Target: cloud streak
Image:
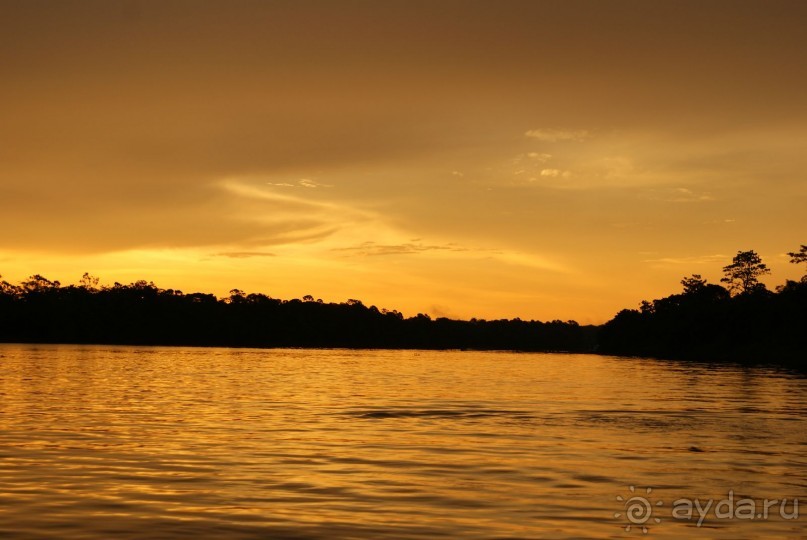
<point>558,135</point>
<point>302,182</point>
<point>245,254</point>
<point>374,249</point>
<point>690,260</point>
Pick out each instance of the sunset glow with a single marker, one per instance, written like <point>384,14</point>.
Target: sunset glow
<point>546,160</point>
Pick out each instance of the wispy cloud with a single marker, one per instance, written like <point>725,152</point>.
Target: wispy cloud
<point>408,248</point>
<point>530,158</point>
<point>247,189</point>
<point>554,173</point>
<point>556,135</point>
<point>245,254</point>
<point>281,218</point>
<point>455,251</point>
<point>726,221</point>
<point>308,183</point>
<point>680,195</point>
<point>698,259</point>
<point>687,195</point>
<point>302,182</point>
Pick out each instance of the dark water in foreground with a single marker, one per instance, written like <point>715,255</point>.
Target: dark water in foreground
<point>125,442</point>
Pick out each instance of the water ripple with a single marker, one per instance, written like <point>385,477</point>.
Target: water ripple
<point>138,442</point>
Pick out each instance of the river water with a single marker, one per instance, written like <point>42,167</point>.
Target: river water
<point>103,442</point>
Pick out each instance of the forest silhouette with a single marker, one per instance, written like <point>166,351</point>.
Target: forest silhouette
<point>43,311</point>
<point>743,321</point>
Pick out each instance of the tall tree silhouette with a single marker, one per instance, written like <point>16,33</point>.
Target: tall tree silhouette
<point>742,275</point>
<point>799,257</point>
<point>693,284</point>
<point>88,282</point>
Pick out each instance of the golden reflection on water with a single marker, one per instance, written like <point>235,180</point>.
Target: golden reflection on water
<point>173,443</point>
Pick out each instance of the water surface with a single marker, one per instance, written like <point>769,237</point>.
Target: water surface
<point>137,442</point>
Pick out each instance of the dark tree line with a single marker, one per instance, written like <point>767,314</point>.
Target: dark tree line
<point>44,311</point>
<point>742,322</point>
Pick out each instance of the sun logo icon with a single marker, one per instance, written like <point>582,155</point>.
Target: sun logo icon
<point>638,509</point>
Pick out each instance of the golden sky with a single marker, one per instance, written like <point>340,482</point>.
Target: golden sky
<point>539,159</point>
